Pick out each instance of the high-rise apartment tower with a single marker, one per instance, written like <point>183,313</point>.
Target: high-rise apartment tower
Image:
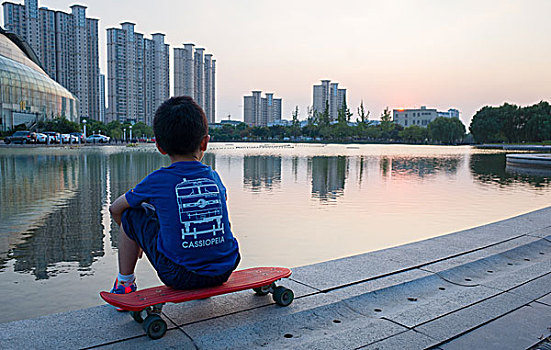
<point>137,74</point>
<point>65,43</point>
<point>260,111</point>
<point>328,95</point>
<point>195,76</point>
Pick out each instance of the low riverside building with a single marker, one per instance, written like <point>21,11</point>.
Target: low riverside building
<point>420,117</point>
<point>27,93</point>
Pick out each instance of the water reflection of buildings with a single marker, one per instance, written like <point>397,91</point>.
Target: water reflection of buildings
<point>127,169</point>
<point>210,160</point>
<point>63,195</point>
<point>328,176</point>
<point>418,167</point>
<point>261,172</point>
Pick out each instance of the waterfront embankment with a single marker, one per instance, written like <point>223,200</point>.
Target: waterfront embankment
<point>517,147</point>
<point>486,287</point>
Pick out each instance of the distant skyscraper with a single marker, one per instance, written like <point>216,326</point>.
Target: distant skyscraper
<point>207,86</point>
<point>137,74</point>
<point>199,82</point>
<point>195,76</point>
<point>183,71</point>
<point>260,111</point>
<point>328,95</point>
<point>66,44</point>
<point>157,73</point>
<point>102,98</point>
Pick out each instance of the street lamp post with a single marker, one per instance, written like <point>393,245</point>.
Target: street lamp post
<point>130,133</point>
<point>124,132</point>
<point>84,122</point>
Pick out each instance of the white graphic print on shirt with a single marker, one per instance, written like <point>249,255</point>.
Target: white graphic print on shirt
<point>200,210</point>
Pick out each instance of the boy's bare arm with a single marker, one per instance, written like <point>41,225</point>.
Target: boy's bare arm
<point>117,207</point>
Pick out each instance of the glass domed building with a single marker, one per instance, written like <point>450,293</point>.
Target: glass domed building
<point>27,93</point>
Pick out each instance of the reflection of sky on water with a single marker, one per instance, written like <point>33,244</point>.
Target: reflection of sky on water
<point>289,205</point>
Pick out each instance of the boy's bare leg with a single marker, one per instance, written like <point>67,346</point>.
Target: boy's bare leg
<point>129,251</point>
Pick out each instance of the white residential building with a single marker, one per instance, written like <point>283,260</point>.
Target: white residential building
<point>420,117</point>
<point>66,44</point>
<point>328,95</point>
<point>195,76</point>
<point>261,111</point>
<point>138,74</point>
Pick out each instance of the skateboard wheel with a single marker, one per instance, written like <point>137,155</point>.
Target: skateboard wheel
<point>283,296</point>
<point>264,290</point>
<point>154,326</point>
<point>137,316</point>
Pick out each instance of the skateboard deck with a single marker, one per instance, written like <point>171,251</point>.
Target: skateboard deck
<point>239,280</point>
<point>151,300</point>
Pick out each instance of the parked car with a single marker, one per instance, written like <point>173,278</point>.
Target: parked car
<point>21,137</point>
<point>41,138</point>
<point>78,136</point>
<point>69,138</point>
<point>97,138</point>
<point>54,137</point>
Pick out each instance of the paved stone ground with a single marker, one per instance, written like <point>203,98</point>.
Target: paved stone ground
<point>482,288</point>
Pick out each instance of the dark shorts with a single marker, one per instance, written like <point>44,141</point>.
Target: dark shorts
<point>142,226</point>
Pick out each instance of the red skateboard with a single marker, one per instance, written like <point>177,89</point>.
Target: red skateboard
<point>149,302</point>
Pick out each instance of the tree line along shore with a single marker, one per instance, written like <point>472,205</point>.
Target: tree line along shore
<point>504,124</point>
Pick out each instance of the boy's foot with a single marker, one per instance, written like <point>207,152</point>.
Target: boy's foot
<point>123,288</point>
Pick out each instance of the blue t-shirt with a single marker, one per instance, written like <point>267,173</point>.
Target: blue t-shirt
<point>190,201</point>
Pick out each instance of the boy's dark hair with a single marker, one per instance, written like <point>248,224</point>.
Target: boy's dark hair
<point>179,125</point>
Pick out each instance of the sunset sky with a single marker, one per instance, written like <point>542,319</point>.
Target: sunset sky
<point>401,54</point>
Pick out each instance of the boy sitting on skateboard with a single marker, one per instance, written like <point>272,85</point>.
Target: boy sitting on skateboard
<point>177,215</point>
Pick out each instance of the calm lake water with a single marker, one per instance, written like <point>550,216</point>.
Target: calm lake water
<point>290,205</point>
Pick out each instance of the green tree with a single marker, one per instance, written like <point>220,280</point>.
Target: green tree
<point>387,126</point>
<point>385,116</point>
<point>295,117</point>
<point>446,130</point>
<point>59,124</point>
<point>260,132</point>
<point>364,117</point>
<point>141,129</point>
<point>414,134</point>
<point>346,112</point>
<point>94,127</point>
<point>278,131</point>
<point>486,126</point>
<point>538,125</point>
<point>295,126</point>
<point>114,129</point>
<point>341,116</point>
<point>513,122</point>
<point>323,118</point>
<point>371,132</point>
